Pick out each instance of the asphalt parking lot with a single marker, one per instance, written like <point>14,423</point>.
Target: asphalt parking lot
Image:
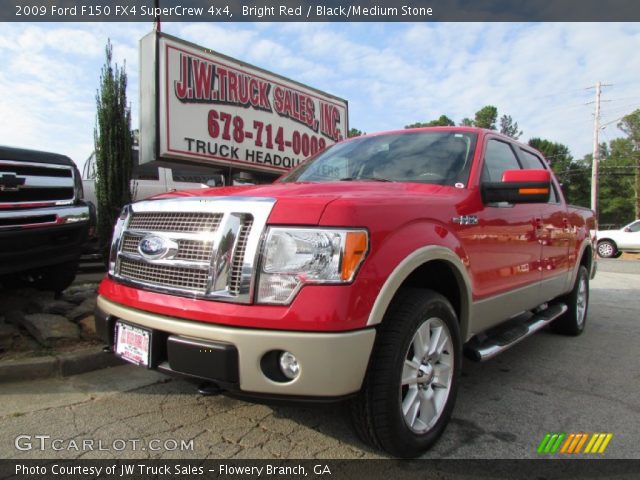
<point>547,383</point>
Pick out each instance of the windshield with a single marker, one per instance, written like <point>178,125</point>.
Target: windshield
<point>442,158</point>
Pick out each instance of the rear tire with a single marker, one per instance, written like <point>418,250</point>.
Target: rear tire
<point>575,319</point>
<point>409,392</point>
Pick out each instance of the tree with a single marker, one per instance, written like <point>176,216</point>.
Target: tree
<point>354,132</point>
<point>466,122</point>
<point>486,117</point>
<point>617,183</point>
<point>113,141</point>
<point>509,127</point>
<point>442,121</point>
<point>630,125</point>
<point>574,176</point>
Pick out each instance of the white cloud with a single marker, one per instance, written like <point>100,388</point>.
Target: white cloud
<point>391,74</point>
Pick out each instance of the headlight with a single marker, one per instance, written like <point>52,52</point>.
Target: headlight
<point>117,236</point>
<point>293,257</point>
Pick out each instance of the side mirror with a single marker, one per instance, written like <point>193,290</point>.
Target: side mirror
<point>519,186</point>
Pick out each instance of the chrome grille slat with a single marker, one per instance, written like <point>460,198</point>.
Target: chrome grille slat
<point>175,222</point>
<point>235,276</point>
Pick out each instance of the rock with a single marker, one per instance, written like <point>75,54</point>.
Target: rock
<point>78,297</point>
<point>85,309</point>
<point>48,328</point>
<point>88,327</point>
<point>10,301</point>
<point>14,317</point>
<point>38,300</point>
<point>82,288</point>
<point>59,307</point>
<point>7,333</point>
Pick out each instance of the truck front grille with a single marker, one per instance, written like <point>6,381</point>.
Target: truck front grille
<point>26,183</point>
<point>208,246</point>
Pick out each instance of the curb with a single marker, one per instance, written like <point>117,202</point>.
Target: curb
<point>61,365</point>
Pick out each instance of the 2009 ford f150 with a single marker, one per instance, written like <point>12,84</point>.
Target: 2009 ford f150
<point>364,273</point>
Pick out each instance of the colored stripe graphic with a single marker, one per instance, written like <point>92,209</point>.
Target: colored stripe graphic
<point>598,443</point>
<point>550,443</point>
<point>573,443</point>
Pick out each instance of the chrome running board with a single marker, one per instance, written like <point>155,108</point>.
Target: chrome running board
<point>505,337</point>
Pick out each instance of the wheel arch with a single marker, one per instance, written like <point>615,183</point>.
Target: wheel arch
<point>433,267</point>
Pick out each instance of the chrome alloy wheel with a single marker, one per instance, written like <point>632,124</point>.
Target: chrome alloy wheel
<point>427,375</point>
<point>606,250</point>
<point>582,299</point>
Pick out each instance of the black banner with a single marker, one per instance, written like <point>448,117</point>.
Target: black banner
<point>318,469</point>
<point>321,11</point>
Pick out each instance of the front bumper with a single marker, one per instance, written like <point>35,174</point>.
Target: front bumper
<point>26,246</point>
<point>331,364</point>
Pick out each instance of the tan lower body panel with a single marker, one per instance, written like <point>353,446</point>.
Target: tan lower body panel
<point>331,364</point>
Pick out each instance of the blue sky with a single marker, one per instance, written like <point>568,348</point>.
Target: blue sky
<point>391,74</point>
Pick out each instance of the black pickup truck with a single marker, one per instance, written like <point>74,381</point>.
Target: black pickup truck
<point>44,220</point>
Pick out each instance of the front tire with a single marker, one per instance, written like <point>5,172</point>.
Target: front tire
<point>608,249</point>
<point>409,392</point>
<point>574,320</point>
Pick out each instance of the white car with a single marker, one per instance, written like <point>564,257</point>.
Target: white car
<point>611,243</point>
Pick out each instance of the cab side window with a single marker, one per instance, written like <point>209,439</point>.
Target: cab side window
<point>498,157</point>
<point>533,161</point>
<point>634,227</point>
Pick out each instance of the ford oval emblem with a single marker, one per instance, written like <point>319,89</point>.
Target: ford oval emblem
<point>153,247</point>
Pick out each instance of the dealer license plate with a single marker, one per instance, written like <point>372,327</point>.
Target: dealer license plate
<point>132,344</point>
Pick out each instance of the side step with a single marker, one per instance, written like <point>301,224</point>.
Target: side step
<point>503,337</point>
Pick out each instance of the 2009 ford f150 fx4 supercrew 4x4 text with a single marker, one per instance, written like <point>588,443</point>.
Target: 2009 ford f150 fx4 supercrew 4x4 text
<point>364,273</point>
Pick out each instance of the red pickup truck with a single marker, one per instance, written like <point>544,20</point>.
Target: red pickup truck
<point>364,274</point>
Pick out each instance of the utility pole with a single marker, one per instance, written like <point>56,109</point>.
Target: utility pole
<point>596,148</point>
<point>156,23</point>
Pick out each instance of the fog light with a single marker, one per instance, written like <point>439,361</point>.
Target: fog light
<point>289,365</point>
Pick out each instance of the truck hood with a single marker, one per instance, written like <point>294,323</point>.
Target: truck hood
<point>305,203</point>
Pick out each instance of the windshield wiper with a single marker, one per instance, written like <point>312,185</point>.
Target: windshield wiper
<point>373,179</point>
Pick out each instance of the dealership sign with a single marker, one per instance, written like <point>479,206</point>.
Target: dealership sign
<point>199,105</point>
